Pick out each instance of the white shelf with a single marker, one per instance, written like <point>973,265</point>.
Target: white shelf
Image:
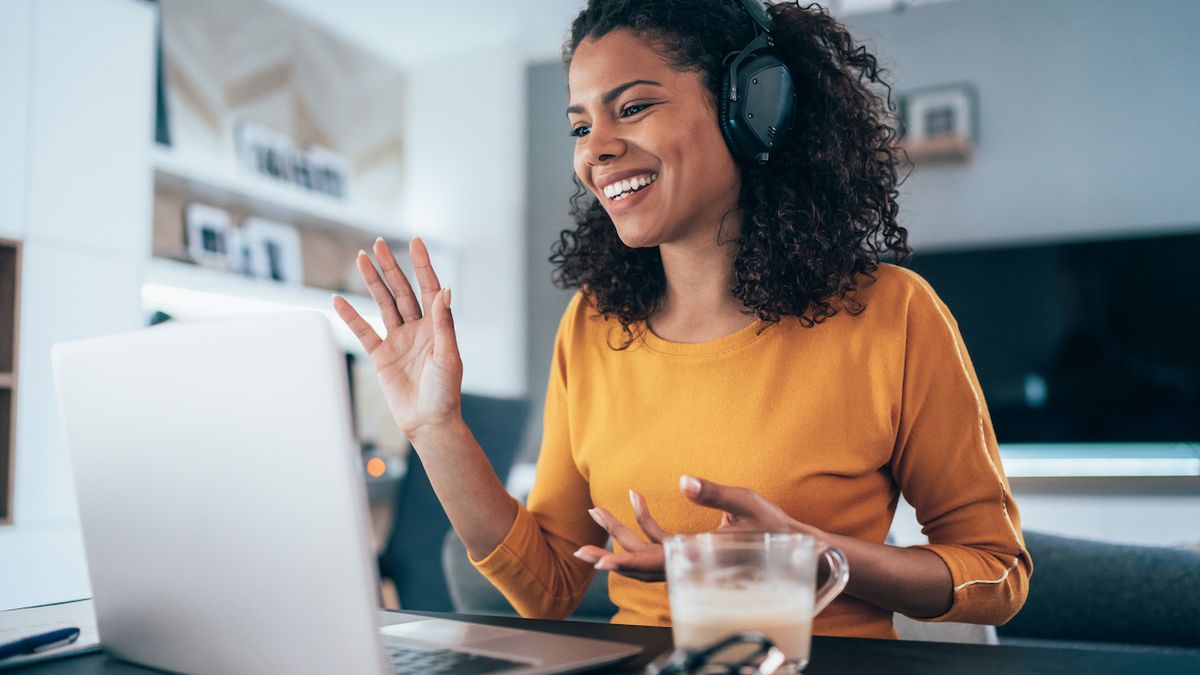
<point>187,291</point>
<point>1091,460</point>
<point>266,197</point>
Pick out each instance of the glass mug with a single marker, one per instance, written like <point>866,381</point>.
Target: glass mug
<point>721,583</point>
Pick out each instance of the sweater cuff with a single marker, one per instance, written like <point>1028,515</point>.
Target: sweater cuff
<point>506,560</point>
<point>984,591</point>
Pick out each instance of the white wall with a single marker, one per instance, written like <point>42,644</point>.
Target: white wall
<point>15,57</point>
<point>466,150</point>
<point>89,69</point>
<point>1086,116</point>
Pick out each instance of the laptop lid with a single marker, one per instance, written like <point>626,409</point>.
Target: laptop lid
<point>221,498</point>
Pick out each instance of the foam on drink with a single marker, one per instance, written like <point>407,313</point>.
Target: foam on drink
<point>783,612</point>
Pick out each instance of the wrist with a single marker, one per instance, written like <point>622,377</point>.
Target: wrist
<point>442,434</point>
<point>798,527</point>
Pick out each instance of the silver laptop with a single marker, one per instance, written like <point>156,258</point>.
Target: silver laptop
<point>223,509</point>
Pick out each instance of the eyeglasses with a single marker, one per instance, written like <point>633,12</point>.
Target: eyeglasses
<point>764,660</point>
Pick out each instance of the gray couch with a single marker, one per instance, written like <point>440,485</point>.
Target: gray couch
<point>1093,592</point>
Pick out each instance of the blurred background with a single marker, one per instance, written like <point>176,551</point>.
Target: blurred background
<point>187,159</point>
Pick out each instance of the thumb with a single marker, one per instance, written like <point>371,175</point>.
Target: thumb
<point>445,342</point>
<point>736,501</point>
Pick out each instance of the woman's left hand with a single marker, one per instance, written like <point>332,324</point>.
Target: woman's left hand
<point>744,510</point>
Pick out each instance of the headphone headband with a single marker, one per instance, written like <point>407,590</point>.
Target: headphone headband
<point>758,11</point>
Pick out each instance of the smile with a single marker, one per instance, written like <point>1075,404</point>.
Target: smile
<point>623,188</point>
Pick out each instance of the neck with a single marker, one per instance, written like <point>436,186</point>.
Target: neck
<point>699,304</point>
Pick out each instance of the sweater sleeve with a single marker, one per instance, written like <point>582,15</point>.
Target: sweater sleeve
<point>534,567</point>
<point>947,465</point>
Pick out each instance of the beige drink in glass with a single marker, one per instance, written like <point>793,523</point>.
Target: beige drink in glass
<point>721,584</point>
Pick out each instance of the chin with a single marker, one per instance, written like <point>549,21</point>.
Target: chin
<point>635,235</point>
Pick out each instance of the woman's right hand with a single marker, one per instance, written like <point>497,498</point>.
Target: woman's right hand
<point>418,364</point>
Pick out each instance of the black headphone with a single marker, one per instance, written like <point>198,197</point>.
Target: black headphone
<point>758,97</point>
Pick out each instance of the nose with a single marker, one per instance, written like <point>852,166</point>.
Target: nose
<point>604,143</point>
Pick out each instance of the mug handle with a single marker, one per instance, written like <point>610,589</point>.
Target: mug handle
<point>839,574</point>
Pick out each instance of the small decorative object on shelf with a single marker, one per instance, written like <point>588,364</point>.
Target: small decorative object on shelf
<point>271,250</point>
<point>212,240</point>
<point>939,123</point>
<point>271,153</point>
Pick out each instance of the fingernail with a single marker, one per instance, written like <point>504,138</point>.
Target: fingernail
<point>446,297</point>
<point>604,564</point>
<point>580,554</point>
<point>634,501</point>
<point>596,517</point>
<point>689,485</point>
<point>379,240</point>
<point>361,252</point>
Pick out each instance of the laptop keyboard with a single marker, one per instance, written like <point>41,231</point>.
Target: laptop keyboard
<point>435,661</point>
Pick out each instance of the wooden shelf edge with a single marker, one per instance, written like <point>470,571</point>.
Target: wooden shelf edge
<point>266,197</point>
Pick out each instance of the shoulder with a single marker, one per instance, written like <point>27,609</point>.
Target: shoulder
<point>581,320</point>
<point>897,303</point>
<point>892,283</point>
<point>901,293</point>
<point>907,307</point>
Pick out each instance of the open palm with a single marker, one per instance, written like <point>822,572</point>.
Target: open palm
<point>417,361</point>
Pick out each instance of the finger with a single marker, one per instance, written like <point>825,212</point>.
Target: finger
<point>362,330</point>
<point>649,563</point>
<point>445,341</point>
<point>426,277</point>
<point>591,554</point>
<point>738,502</point>
<point>623,535</point>
<point>406,302</point>
<point>726,521</point>
<point>649,525</point>
<point>379,291</point>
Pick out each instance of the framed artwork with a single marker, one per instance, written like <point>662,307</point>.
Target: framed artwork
<point>939,123</point>
<point>271,250</point>
<point>212,240</point>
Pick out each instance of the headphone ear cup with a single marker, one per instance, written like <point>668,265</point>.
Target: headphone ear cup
<point>760,120</point>
<point>761,117</point>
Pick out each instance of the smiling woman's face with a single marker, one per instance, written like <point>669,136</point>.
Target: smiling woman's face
<point>647,142</point>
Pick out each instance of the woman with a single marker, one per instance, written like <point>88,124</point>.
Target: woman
<point>738,356</point>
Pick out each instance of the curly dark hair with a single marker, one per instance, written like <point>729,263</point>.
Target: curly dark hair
<point>818,215</point>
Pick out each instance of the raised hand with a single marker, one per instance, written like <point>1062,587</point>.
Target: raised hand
<point>417,361</point>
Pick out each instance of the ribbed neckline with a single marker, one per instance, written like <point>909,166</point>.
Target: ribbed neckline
<point>742,337</point>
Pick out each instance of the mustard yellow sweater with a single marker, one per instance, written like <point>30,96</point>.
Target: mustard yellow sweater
<point>832,423</point>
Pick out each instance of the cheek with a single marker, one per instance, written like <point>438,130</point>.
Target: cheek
<point>580,167</point>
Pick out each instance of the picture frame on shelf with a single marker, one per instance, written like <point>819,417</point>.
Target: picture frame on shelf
<point>212,240</point>
<point>272,250</point>
<point>271,153</point>
<point>328,171</point>
<point>939,123</point>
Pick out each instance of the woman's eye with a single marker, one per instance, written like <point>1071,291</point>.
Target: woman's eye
<point>580,131</point>
<point>634,109</point>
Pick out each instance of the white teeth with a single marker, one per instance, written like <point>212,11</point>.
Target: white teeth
<point>623,188</point>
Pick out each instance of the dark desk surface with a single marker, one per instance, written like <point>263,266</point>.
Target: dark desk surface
<point>829,655</point>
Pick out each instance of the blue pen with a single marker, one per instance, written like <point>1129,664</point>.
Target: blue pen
<point>39,643</point>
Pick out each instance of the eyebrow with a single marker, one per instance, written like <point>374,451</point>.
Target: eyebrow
<point>614,93</point>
